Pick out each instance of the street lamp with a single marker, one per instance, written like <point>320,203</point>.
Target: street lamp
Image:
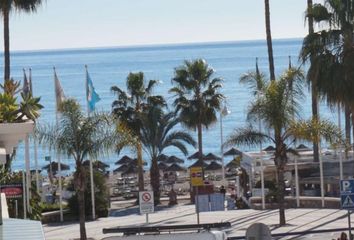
<point>260,94</point>
<point>223,112</point>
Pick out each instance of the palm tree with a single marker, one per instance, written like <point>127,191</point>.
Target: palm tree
<point>79,137</point>
<point>6,6</point>
<point>128,108</point>
<point>276,107</point>
<point>269,40</point>
<point>157,134</point>
<point>312,80</point>
<point>197,97</point>
<point>330,50</point>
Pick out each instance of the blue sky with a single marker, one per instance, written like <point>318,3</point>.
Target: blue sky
<point>99,23</point>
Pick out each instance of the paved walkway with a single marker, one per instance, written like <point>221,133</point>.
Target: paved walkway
<point>297,220</point>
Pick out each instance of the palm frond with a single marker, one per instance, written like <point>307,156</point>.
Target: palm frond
<point>247,136</point>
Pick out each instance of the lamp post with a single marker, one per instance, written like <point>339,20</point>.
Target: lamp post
<point>340,146</point>
<point>223,112</point>
<point>262,169</point>
<point>259,94</point>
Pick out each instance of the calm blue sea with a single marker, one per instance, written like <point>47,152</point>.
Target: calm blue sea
<point>110,66</point>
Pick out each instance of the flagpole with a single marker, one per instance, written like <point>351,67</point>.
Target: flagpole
<point>57,152</point>
<point>34,138</point>
<point>91,167</point>
<point>27,153</point>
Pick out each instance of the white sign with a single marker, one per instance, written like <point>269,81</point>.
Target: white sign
<point>146,200</point>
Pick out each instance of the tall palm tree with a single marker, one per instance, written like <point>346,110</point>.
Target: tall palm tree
<point>276,107</point>
<point>312,80</point>
<point>6,6</point>
<point>331,51</point>
<point>197,97</point>
<point>79,137</point>
<point>269,40</point>
<point>157,134</point>
<point>128,108</point>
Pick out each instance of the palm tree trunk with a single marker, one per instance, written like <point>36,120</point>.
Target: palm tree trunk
<point>347,124</point>
<point>155,180</point>
<point>314,93</point>
<point>352,118</point>
<point>200,145</point>
<point>79,177</point>
<point>6,45</point>
<point>269,40</point>
<point>280,195</point>
<point>81,199</point>
<point>140,167</point>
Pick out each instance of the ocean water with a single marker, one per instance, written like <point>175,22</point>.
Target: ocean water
<point>110,66</point>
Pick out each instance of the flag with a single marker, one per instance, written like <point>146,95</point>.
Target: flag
<point>91,96</point>
<point>26,85</point>
<point>30,81</point>
<point>59,92</point>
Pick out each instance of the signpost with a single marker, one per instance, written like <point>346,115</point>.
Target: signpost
<point>196,181</point>
<point>146,200</point>
<point>347,198</point>
<point>13,191</point>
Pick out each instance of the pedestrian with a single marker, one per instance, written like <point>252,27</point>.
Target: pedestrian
<point>343,236</point>
<point>233,193</point>
<point>222,190</point>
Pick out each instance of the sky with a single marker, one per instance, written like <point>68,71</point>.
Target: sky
<point>59,24</point>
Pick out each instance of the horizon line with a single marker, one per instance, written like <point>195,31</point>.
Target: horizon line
<point>152,45</point>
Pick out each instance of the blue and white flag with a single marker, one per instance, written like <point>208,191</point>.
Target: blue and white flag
<point>91,96</point>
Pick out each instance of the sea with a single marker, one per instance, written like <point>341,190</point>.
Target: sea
<point>110,66</point>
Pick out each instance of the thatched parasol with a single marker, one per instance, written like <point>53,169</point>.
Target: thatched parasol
<point>96,164</point>
<point>175,168</point>
<point>162,166</point>
<point>211,157</point>
<point>199,164</point>
<point>121,168</point>
<point>124,160</point>
<point>195,156</point>
<point>269,149</point>
<point>174,159</point>
<point>55,167</point>
<point>162,158</point>
<point>233,152</point>
<point>213,166</point>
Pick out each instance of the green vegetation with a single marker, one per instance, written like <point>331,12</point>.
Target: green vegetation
<point>277,106</point>
<point>128,108</point>
<point>101,196</point>
<point>79,137</point>
<point>157,134</point>
<point>197,96</point>
<point>10,110</point>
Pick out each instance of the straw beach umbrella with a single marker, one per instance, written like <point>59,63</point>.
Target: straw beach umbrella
<point>54,166</point>
<point>174,159</point>
<point>175,168</point>
<point>233,152</point>
<point>195,156</point>
<point>211,157</point>
<point>125,159</point>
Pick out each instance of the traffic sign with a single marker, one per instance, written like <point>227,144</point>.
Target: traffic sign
<point>347,194</point>
<point>146,200</point>
<point>196,176</point>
